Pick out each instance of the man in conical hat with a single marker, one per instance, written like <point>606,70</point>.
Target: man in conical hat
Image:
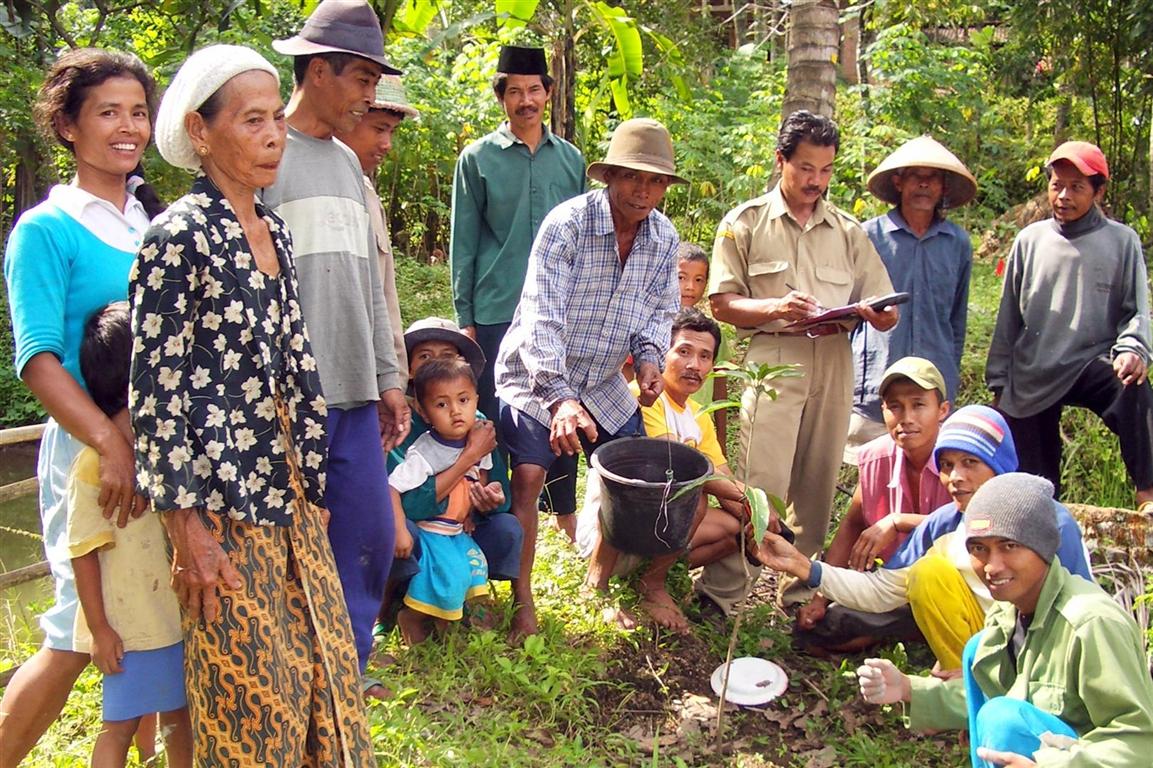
<point>928,257</point>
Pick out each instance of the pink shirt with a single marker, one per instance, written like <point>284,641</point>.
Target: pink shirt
<point>885,489</point>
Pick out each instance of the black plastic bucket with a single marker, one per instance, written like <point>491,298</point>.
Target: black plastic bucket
<point>638,514</point>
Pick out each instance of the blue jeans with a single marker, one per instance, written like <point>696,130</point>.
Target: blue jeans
<point>361,528</point>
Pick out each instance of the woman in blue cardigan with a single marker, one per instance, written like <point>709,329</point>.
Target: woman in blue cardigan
<point>67,258</point>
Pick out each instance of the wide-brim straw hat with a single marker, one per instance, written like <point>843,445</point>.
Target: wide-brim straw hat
<point>439,329</point>
<point>924,152</point>
<point>641,144</point>
<point>340,26</point>
<point>201,75</point>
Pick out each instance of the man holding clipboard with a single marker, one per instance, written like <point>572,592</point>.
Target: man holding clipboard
<point>779,260</point>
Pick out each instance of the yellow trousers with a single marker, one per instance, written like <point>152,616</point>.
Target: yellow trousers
<point>944,607</point>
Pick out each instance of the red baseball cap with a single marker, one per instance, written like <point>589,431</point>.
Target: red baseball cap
<point>1088,158</point>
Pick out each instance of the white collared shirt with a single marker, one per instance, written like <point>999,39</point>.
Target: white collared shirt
<point>123,230</point>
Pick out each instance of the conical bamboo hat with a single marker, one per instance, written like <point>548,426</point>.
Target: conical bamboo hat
<point>924,152</point>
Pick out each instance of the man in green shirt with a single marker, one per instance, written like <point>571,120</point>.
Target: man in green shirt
<point>506,183</point>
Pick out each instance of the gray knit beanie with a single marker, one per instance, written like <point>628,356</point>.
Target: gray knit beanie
<point>1015,506</point>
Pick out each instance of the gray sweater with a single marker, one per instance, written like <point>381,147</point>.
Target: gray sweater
<point>319,192</point>
<point>1072,294</point>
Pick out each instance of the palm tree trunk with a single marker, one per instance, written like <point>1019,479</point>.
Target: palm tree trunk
<point>814,36</point>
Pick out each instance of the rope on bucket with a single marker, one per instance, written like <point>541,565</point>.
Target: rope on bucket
<point>661,521</point>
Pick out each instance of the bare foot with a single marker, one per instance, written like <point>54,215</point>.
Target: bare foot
<point>566,524</point>
<point>812,613</point>
<point>377,690</point>
<point>622,618</point>
<point>482,614</point>
<point>412,626</point>
<point>381,658</point>
<point>662,609</point>
<point>611,613</point>
<point>523,624</point>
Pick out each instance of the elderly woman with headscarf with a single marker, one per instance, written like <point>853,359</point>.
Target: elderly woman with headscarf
<point>230,445</point>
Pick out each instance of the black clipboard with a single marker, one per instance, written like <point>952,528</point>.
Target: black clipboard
<point>848,312</point>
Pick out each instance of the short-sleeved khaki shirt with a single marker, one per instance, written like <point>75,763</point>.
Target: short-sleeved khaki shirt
<point>762,252</point>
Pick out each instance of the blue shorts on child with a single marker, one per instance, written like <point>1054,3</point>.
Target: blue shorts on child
<point>452,570</point>
<point>150,681</point>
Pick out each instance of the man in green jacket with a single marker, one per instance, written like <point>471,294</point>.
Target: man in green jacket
<point>1058,676</point>
<point>506,182</point>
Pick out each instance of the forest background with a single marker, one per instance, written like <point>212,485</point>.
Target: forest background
<point>999,82</point>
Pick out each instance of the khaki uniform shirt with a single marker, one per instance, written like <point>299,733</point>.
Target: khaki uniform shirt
<point>761,252</point>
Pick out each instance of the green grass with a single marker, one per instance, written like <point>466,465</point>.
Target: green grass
<point>586,693</point>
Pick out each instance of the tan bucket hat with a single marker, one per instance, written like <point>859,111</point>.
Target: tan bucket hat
<point>641,144</point>
<point>924,152</point>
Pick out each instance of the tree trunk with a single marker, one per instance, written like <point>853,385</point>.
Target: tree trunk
<point>814,37</point>
<point>563,118</point>
<point>850,47</point>
<point>29,190</point>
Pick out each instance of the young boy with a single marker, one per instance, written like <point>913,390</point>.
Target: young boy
<point>693,276</point>
<point>674,416</point>
<point>1058,675</point>
<point>898,487</point>
<point>932,571</point>
<point>130,616</point>
<point>452,566</point>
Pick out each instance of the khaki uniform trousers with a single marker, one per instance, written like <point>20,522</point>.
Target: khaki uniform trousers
<point>796,448</point>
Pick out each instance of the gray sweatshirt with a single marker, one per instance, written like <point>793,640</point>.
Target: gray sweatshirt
<point>319,192</point>
<point>1072,294</point>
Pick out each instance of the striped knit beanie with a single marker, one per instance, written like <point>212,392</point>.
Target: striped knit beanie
<point>981,431</point>
<point>1019,507</point>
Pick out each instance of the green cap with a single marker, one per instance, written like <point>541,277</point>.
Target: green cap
<point>917,370</point>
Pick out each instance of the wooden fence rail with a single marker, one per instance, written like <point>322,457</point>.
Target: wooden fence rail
<point>15,436</point>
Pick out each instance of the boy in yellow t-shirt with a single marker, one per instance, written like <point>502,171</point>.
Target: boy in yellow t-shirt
<point>129,619</point>
<point>715,533</point>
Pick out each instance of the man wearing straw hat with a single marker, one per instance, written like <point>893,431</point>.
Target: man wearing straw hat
<point>338,57</point>
<point>601,284</point>
<point>928,257</point>
<point>505,184</point>
<point>371,140</point>
<point>778,259</point>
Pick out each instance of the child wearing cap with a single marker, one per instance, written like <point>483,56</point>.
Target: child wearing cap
<point>897,489</point>
<point>932,571</point>
<point>495,529</point>
<point>1073,325</point>
<point>1058,675</point>
<point>453,568</point>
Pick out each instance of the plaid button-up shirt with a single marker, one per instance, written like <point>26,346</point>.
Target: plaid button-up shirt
<point>582,313</point>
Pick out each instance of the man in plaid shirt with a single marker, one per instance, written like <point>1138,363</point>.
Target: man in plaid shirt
<point>601,285</point>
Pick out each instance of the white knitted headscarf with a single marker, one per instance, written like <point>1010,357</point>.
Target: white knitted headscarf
<point>203,74</point>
